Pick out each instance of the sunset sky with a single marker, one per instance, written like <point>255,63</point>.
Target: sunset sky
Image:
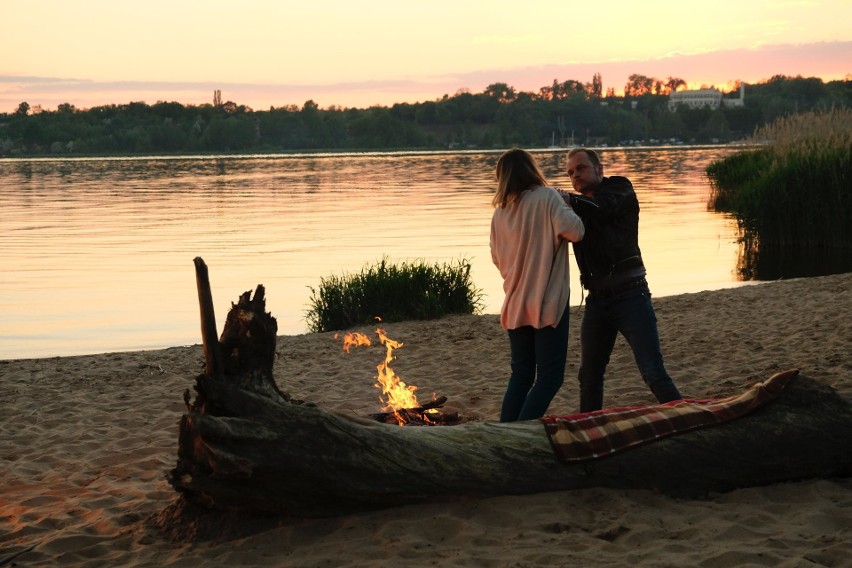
<point>264,53</point>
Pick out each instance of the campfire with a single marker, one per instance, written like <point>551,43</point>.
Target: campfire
<point>399,403</point>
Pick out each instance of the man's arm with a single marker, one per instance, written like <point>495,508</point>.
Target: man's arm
<point>609,199</point>
<point>575,199</point>
<point>580,203</point>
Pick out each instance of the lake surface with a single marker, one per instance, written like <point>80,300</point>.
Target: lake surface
<point>97,254</point>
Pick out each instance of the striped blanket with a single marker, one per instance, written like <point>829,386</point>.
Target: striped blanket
<point>580,437</point>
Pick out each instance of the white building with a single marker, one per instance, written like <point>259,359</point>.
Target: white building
<point>711,98</point>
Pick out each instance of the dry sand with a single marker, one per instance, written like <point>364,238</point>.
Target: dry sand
<point>86,442</point>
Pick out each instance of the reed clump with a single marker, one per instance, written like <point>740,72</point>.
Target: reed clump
<point>393,292</point>
<point>795,190</point>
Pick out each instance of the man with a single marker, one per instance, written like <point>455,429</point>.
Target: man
<point>612,271</point>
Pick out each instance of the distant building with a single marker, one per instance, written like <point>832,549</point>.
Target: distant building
<point>711,98</point>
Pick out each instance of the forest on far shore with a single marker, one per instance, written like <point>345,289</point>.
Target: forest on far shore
<point>565,113</point>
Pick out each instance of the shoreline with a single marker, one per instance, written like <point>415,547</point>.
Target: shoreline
<point>196,340</point>
<point>323,152</point>
<point>87,441</point>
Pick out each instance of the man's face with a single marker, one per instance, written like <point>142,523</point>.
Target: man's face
<point>584,175</point>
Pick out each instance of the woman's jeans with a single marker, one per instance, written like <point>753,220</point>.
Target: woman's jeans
<point>538,370</point>
<point>632,314</point>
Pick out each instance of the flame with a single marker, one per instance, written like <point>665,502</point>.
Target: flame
<point>354,339</point>
<point>399,395</point>
<point>396,395</point>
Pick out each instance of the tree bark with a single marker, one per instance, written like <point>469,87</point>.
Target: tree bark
<point>212,355</point>
<point>244,446</point>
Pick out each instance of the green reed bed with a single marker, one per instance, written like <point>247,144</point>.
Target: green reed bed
<point>796,191</point>
<point>393,292</point>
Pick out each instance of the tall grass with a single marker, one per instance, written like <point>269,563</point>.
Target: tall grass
<point>393,292</point>
<point>796,190</point>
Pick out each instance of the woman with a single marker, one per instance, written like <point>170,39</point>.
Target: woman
<point>530,231</point>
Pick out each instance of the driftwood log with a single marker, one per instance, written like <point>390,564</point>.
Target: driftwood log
<point>245,446</point>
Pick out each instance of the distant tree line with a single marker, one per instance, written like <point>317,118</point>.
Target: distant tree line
<point>564,113</point>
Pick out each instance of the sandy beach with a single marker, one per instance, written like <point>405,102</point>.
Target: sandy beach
<point>86,443</point>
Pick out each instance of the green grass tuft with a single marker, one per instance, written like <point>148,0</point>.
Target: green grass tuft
<point>393,292</point>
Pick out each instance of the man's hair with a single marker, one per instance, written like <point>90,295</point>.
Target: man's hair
<point>516,172</point>
<point>593,156</point>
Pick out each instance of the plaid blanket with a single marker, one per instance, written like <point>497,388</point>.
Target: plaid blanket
<point>580,437</point>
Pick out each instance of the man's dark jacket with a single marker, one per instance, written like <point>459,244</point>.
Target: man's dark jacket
<point>609,253</point>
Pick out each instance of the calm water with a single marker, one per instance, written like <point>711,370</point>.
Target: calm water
<point>97,253</point>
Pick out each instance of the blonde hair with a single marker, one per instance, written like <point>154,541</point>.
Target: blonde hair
<point>516,172</point>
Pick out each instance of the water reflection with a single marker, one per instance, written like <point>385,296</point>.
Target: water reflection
<point>95,251</point>
<point>774,263</point>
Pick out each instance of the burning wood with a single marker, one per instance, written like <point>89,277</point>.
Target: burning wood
<point>399,403</point>
<point>430,414</point>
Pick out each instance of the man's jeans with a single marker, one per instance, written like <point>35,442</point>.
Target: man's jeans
<point>632,314</point>
<point>540,352</point>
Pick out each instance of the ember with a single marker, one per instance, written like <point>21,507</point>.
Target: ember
<point>399,403</point>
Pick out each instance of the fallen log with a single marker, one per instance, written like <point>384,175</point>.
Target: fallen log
<point>245,446</point>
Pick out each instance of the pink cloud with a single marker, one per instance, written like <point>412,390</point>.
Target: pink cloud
<point>826,60</point>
